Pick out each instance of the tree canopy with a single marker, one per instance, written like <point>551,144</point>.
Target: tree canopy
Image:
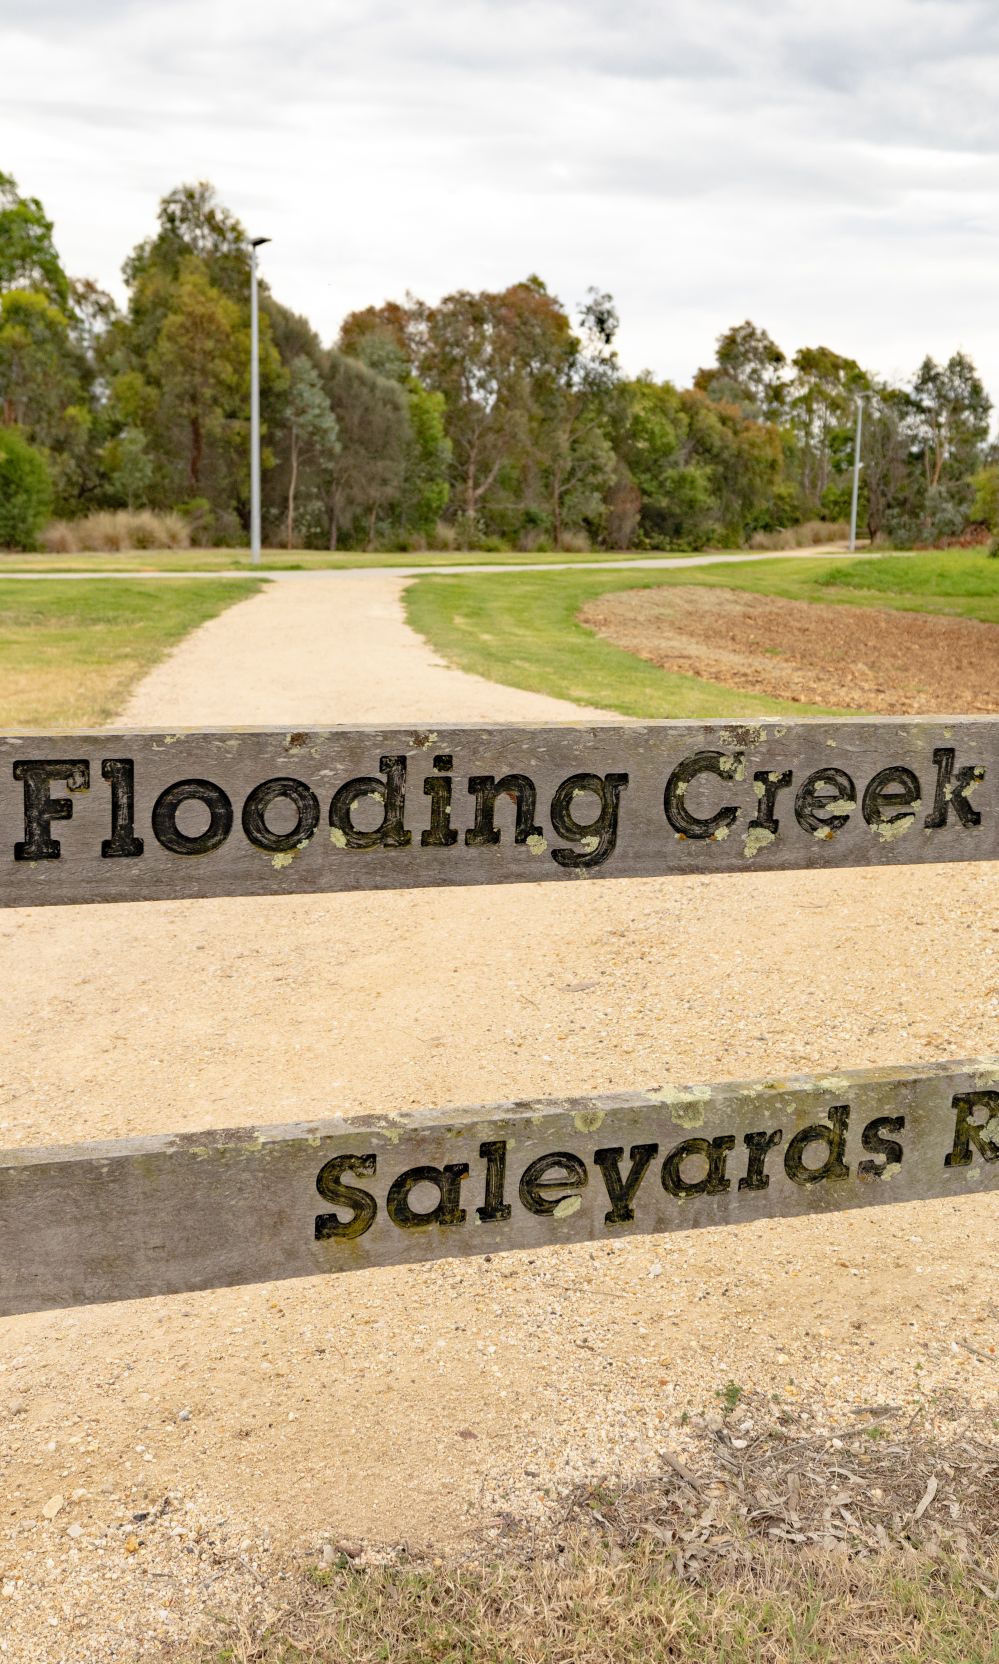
<point>487,417</point>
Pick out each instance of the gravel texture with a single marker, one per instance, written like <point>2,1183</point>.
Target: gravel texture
<point>158,1459</point>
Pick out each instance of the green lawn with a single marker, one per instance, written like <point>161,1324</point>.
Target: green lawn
<point>70,653</point>
<point>961,581</point>
<point>522,629</point>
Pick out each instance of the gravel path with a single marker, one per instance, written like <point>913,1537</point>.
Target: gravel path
<point>425,1404</point>
<point>488,568</point>
<point>339,652</point>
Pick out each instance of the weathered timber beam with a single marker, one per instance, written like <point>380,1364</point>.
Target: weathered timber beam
<point>131,817</point>
<point>168,1214</point>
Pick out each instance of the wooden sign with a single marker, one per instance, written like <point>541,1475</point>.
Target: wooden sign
<point>129,817</point>
<point>162,1215</point>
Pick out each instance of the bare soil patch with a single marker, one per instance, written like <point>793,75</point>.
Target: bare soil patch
<point>859,658</point>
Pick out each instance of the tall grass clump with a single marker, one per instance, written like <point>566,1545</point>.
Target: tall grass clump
<point>116,532</point>
<point>805,536</point>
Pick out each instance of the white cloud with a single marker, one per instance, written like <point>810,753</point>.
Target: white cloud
<point>830,171</point>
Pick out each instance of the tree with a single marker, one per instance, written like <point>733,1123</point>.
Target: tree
<point>192,221</point>
<point>25,491</point>
<point>493,408</point>
<point>36,381</point>
<point>193,397</point>
<point>380,348</point>
<point>312,429</point>
<point>488,354</point>
<point>705,470</point>
<point>677,496</point>
<point>459,359</point>
<point>622,510</point>
<point>742,459</point>
<point>985,505</point>
<point>28,258</point>
<point>427,460</point>
<point>195,231</point>
<point>749,370</point>
<point>128,467</point>
<point>91,313</point>
<point>885,454</point>
<point>652,429</point>
<point>177,364</point>
<point>821,408</point>
<point>372,420</point>
<point>577,471</point>
<point>198,364</point>
<point>573,395</point>
<point>382,337</point>
<point>952,418</point>
<point>293,335</point>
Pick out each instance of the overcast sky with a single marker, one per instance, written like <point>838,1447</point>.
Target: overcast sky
<point>829,170</point>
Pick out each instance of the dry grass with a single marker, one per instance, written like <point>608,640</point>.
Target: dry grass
<point>811,534</point>
<point>594,1606</point>
<point>116,532</point>
<point>778,1548</point>
<point>71,652</point>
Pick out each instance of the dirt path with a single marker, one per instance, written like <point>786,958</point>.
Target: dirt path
<point>426,1404</point>
<point>900,663</point>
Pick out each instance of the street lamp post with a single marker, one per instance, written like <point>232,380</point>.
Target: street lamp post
<point>856,472</point>
<point>255,243</point>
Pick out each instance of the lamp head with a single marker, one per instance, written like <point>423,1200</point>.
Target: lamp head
<point>256,242</point>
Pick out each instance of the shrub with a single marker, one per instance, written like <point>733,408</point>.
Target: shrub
<point>985,504</point>
<point>25,491</point>
<point>809,533</point>
<point>59,538</point>
<point>574,543</point>
<point>534,540</point>
<point>444,536</point>
<point>113,532</point>
<point>211,528</point>
<point>404,543</point>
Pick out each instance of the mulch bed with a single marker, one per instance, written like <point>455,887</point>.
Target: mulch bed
<point>863,1490</point>
<point>855,658</point>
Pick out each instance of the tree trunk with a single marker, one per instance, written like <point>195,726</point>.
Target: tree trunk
<point>371,528</point>
<point>333,524</point>
<point>197,453</point>
<point>938,457</point>
<point>291,489</point>
<point>557,508</point>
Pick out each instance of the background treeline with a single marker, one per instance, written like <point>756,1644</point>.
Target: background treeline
<point>487,420</point>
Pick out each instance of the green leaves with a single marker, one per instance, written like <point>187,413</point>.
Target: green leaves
<point>28,259</point>
<point>25,491</point>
